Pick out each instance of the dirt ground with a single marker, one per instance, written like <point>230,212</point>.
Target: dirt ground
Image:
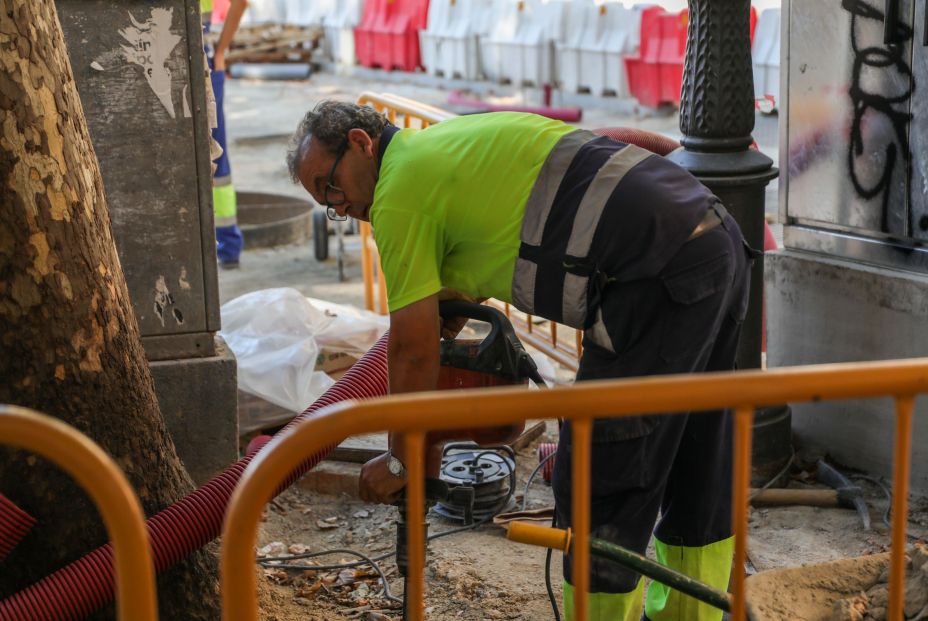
<point>471,576</point>
<point>478,574</point>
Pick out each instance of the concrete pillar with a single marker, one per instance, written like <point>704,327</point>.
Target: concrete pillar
<point>162,220</point>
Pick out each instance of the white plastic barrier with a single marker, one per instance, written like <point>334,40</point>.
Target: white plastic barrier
<point>309,12</point>
<point>519,47</point>
<point>766,58</point>
<point>598,36</point>
<point>265,12</point>
<point>449,42</point>
<point>339,30</point>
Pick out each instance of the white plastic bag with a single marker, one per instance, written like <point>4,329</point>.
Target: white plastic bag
<point>277,336</point>
<point>349,330</point>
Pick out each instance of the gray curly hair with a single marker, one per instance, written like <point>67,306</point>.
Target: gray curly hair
<point>329,123</point>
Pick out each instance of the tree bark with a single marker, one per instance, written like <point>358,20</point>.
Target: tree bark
<point>69,343</point>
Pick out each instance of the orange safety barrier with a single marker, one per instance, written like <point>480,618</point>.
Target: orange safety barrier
<point>544,337</point>
<point>97,473</point>
<point>414,415</point>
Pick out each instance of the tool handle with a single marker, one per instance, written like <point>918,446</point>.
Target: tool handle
<point>521,363</point>
<point>544,536</point>
<point>807,497</point>
<point>461,308</point>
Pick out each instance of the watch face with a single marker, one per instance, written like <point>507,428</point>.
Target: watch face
<point>395,466</point>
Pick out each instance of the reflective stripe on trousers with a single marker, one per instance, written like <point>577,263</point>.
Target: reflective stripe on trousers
<point>709,564</point>
<point>225,206</point>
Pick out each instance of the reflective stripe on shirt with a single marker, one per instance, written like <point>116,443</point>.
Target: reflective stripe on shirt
<point>584,225</point>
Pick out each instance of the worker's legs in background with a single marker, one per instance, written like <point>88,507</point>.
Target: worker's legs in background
<point>229,240</point>
<point>686,320</point>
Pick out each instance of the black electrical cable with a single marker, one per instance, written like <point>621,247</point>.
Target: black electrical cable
<point>275,561</point>
<point>531,477</point>
<point>367,560</point>
<point>776,477</point>
<point>554,607</point>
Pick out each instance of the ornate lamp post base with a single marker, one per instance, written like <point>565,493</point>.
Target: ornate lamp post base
<point>717,118</point>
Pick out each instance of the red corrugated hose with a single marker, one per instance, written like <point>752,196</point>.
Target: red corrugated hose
<point>544,450</point>
<point>653,142</point>
<point>14,524</point>
<point>86,585</point>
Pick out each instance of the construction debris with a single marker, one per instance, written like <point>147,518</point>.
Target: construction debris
<point>271,43</point>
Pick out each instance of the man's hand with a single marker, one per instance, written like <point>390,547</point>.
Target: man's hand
<point>377,484</point>
<point>452,326</point>
<point>219,60</point>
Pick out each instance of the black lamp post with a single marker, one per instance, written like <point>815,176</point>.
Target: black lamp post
<point>717,118</point>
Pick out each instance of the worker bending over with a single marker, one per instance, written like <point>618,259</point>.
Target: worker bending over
<point>581,230</point>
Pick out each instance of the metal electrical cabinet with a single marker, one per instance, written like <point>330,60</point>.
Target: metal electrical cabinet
<point>139,70</point>
<point>854,129</point>
<point>851,282</point>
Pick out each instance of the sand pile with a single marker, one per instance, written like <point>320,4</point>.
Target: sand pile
<point>872,604</point>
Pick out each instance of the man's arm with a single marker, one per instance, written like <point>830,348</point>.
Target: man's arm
<point>412,352</point>
<point>412,363</point>
<point>229,28</point>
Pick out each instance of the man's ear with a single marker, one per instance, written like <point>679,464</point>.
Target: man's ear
<point>361,138</point>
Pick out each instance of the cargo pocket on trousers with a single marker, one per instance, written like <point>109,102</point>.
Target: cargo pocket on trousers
<point>697,294</point>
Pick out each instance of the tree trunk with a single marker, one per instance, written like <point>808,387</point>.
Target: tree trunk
<point>69,343</point>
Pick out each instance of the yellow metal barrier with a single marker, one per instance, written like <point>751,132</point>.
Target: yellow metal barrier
<point>104,481</point>
<point>543,338</point>
<point>414,414</point>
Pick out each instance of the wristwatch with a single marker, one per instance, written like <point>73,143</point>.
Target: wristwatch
<point>396,467</point>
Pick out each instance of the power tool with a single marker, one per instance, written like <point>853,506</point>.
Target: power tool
<point>498,359</point>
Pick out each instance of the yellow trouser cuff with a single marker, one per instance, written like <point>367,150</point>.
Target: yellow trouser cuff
<point>710,564</point>
<point>607,606</point>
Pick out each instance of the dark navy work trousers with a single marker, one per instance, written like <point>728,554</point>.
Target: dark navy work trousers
<point>685,320</point>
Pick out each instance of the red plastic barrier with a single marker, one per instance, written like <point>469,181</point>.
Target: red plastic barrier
<point>388,35</point>
<point>655,74</point>
<point>642,69</point>
<point>671,56</point>
<point>220,10</point>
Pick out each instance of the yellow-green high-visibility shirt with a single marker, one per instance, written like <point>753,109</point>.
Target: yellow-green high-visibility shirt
<point>449,203</point>
<point>206,6</point>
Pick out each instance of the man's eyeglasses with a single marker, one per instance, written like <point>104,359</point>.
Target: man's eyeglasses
<point>334,196</point>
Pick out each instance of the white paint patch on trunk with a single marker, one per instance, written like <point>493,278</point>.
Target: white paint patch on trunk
<point>182,279</point>
<point>150,45</point>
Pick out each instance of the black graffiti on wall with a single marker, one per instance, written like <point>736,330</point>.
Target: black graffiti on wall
<point>878,69</point>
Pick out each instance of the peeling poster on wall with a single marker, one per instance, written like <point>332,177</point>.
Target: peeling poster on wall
<point>150,46</point>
